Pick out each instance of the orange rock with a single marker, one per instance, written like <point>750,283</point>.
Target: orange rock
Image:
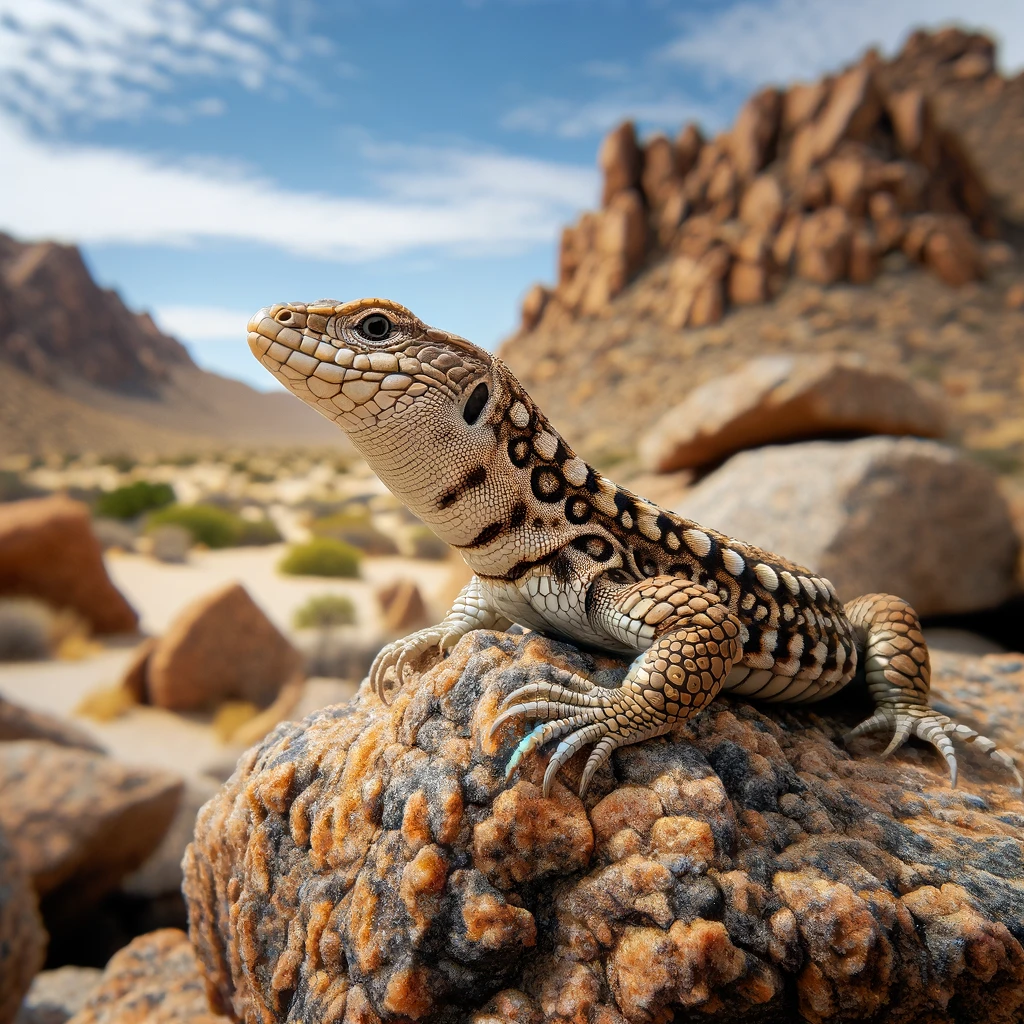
<point>914,127</point>
<point>748,283</point>
<point>753,136</point>
<point>154,979</point>
<point>660,170</point>
<point>846,176</point>
<point>620,161</point>
<point>801,103</point>
<point>762,204</point>
<point>950,251</point>
<point>823,245</point>
<point>534,303</point>
<point>888,224</point>
<point>865,255</point>
<point>22,937</point>
<point>853,109</point>
<point>404,609</point>
<point>48,551</point>
<point>221,647</point>
<point>688,147</point>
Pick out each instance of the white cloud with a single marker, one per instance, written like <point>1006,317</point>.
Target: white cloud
<point>443,199</point>
<point>100,59</point>
<point>785,40</point>
<point>202,323</point>
<point>579,120</point>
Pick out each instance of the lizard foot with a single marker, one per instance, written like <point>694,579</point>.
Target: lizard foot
<point>403,652</point>
<point>581,712</point>
<point>927,724</point>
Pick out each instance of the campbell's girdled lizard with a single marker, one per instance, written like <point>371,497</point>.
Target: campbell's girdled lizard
<point>558,548</point>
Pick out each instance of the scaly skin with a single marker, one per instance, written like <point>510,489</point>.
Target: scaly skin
<point>557,547</point>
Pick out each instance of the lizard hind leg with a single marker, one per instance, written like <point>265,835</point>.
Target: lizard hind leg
<point>696,643</point>
<point>898,674</point>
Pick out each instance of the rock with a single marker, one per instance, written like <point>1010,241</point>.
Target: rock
<point>865,256</point>
<point>80,821</point>
<point>137,670</point>
<point>404,609</point>
<point>57,995</point>
<point>154,980</point>
<point>688,146</point>
<point>340,653</point>
<point>801,103</point>
<point>533,306</point>
<point>753,136</point>
<point>950,251</point>
<point>221,647</point>
<point>372,864</point>
<point>698,294</point>
<point>169,543</point>
<point>18,723</point>
<point>851,112</point>
<point>823,246</point>
<point>622,235</point>
<point>897,515</point>
<point>748,283</point>
<point>620,161</point>
<point>22,938</point>
<point>48,551</point>
<point>847,182</point>
<point>660,172</point>
<point>783,398</point>
<point>762,203</point>
<point>27,629</point>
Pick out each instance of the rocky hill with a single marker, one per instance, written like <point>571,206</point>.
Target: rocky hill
<point>876,210</point>
<point>79,371</point>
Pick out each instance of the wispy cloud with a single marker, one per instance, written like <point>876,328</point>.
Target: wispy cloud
<point>202,323</point>
<point>97,59</point>
<point>570,120</point>
<point>449,200</point>
<point>750,44</point>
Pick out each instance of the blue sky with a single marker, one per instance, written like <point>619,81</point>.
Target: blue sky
<point>212,156</point>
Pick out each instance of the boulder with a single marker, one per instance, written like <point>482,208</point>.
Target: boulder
<point>823,245</point>
<point>620,161</point>
<point>660,171</point>
<point>48,551</point>
<point>782,398</point>
<point>762,204</point>
<point>403,607</point>
<point>18,723</point>
<point>57,995</point>
<point>753,136</point>
<point>373,864</point>
<point>221,647</point>
<point>80,821</point>
<point>22,938</point>
<point>534,303</point>
<point>897,515</point>
<point>153,980</point>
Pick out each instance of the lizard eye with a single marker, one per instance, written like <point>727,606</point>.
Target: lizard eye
<point>476,403</point>
<point>375,327</point>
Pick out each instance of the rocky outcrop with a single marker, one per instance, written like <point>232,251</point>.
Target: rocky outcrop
<point>57,995</point>
<point>80,821</point>
<point>18,723</point>
<point>221,647</point>
<point>371,863</point>
<point>155,980</point>
<point>22,938</point>
<point>48,551</point>
<point>783,398</point>
<point>820,181</point>
<point>897,516</point>
<point>404,610</point>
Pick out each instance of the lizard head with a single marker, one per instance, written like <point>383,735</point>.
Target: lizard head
<point>427,409</point>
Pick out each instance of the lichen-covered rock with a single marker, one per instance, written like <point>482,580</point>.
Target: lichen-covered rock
<point>48,551</point>
<point>372,864</point>
<point>153,980</point>
<point>880,514</point>
<point>57,995</point>
<point>80,821</point>
<point>22,938</point>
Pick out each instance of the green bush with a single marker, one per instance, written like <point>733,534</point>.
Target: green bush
<point>322,611</point>
<point>215,527</point>
<point>257,532</point>
<point>354,528</point>
<point>321,556</point>
<point>133,499</point>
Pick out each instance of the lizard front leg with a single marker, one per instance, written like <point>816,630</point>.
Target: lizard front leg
<point>470,610</point>
<point>694,642</point>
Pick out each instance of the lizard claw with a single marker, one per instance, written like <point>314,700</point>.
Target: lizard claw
<point>403,652</point>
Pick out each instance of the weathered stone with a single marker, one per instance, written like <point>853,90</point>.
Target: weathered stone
<point>153,980</point>
<point>404,609</point>
<point>851,112</point>
<point>221,647</point>
<point>22,938</point>
<point>914,128</point>
<point>18,723</point>
<point>783,398</point>
<point>801,103</point>
<point>620,161</point>
<point>950,252</point>
<point>847,177</point>
<point>80,821</point>
<point>762,203</point>
<point>688,147</point>
<point>48,551</point>
<point>823,246</point>
<point>754,134</point>
<point>885,216</point>
<point>865,256</point>
<point>894,515</point>
<point>57,995</point>
<point>623,231</point>
<point>698,292</point>
<point>748,283</point>
<point>372,864</point>
<point>533,306</point>
<point>660,170</point>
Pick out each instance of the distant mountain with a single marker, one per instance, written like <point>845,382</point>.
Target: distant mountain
<point>79,371</point>
<point>879,209</point>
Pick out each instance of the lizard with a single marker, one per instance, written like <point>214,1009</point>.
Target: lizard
<point>558,548</point>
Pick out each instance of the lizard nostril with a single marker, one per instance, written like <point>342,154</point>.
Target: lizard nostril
<point>284,317</point>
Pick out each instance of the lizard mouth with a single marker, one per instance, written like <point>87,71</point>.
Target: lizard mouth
<point>344,384</point>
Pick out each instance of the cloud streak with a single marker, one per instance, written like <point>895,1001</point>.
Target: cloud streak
<point>449,200</point>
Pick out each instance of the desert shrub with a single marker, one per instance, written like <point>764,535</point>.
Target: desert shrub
<point>133,500</point>
<point>324,611</point>
<point>424,543</point>
<point>257,532</point>
<point>355,528</point>
<point>215,527</point>
<point>321,556</point>
<point>26,630</point>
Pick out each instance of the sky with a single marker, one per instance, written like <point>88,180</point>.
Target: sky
<point>214,156</point>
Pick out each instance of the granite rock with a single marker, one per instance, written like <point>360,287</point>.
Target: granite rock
<point>18,723</point>
<point>152,980</point>
<point>782,398</point>
<point>372,864</point>
<point>56,995</point>
<point>894,515</point>
<point>22,938</point>
<point>48,551</point>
